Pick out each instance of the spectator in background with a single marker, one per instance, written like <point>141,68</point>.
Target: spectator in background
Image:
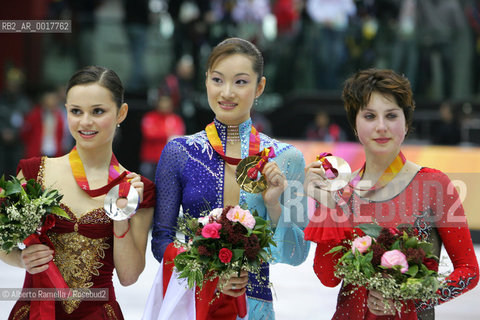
<point>330,22</point>
<point>192,19</point>
<point>405,50</point>
<point>181,87</point>
<point>43,129</point>
<point>448,130</point>
<point>136,21</point>
<point>14,104</point>
<point>158,126</point>
<point>261,122</point>
<point>249,15</point>
<point>67,142</point>
<point>472,11</point>
<point>323,130</point>
<point>83,26</point>
<point>443,39</point>
<point>287,44</point>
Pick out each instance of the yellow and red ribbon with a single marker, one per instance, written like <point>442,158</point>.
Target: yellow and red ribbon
<point>390,172</point>
<point>266,154</point>
<point>114,176</point>
<point>214,139</point>
<point>327,166</point>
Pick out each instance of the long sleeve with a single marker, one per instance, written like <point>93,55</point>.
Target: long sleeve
<point>169,195</point>
<point>453,229</point>
<point>291,247</point>
<point>324,265</point>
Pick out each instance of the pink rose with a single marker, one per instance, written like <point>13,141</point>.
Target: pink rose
<point>394,258</point>
<point>211,230</point>
<point>237,214</point>
<point>361,244</point>
<point>225,255</point>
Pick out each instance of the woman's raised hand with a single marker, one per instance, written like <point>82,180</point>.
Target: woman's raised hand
<point>136,182</point>
<point>315,178</point>
<point>276,182</point>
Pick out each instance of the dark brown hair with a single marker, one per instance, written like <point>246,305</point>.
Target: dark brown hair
<point>236,45</point>
<point>359,87</point>
<point>105,77</point>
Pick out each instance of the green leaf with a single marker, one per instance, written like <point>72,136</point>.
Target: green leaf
<point>237,253</point>
<point>370,229</point>
<point>335,249</point>
<point>368,257</point>
<point>426,246</point>
<point>12,188</point>
<point>411,243</point>
<point>4,218</point>
<point>58,211</point>
<point>263,254</point>
<point>396,245</point>
<point>7,246</point>
<point>412,270</point>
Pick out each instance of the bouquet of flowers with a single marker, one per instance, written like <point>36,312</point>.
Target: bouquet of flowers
<point>24,207</point>
<point>221,244</point>
<point>393,261</point>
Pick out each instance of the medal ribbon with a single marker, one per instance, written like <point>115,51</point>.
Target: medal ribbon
<point>266,154</point>
<point>114,176</point>
<point>387,176</point>
<point>214,139</point>
<point>326,164</point>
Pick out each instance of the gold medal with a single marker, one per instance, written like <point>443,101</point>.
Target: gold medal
<point>247,184</point>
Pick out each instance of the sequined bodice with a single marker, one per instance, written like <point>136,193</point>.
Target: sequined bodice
<point>83,249</point>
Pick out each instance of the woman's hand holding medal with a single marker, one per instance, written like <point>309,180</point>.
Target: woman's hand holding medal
<point>276,183</point>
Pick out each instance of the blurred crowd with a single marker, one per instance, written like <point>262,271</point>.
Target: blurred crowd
<point>308,45</point>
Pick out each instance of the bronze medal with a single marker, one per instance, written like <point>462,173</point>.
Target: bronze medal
<point>343,177</point>
<point>247,184</point>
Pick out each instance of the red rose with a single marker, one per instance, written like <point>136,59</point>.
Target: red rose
<point>225,255</point>
<point>431,264</point>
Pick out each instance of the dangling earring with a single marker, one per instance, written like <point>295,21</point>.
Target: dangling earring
<point>255,104</point>
<point>118,125</point>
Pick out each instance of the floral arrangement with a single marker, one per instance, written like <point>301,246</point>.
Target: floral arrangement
<point>393,261</point>
<point>24,206</point>
<point>222,243</point>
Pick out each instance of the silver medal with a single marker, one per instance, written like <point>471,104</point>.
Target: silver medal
<point>110,204</point>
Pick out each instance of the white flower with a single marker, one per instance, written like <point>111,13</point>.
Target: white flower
<point>216,213</point>
<point>204,220</point>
